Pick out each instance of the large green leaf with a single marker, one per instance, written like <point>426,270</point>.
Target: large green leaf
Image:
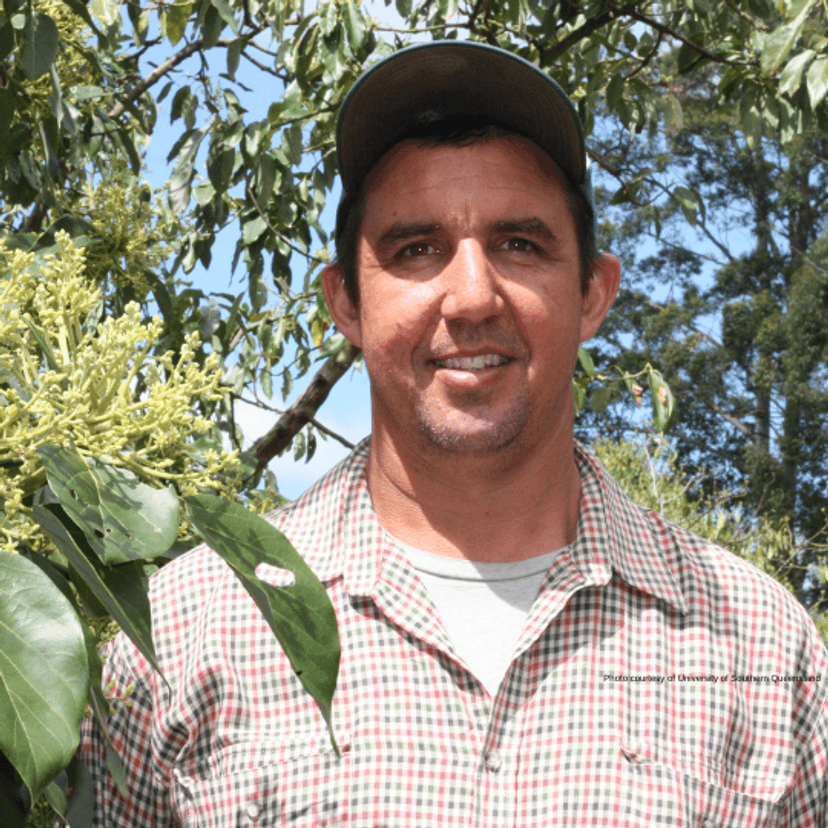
<point>779,43</point>
<point>121,589</point>
<point>40,44</point>
<point>44,673</point>
<point>301,616</point>
<point>818,81</point>
<point>122,518</point>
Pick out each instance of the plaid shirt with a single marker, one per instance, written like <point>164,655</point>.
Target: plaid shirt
<point>653,684</point>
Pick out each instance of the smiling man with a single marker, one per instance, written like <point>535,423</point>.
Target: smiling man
<point>521,645</point>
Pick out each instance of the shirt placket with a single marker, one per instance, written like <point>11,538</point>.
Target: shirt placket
<point>498,801</point>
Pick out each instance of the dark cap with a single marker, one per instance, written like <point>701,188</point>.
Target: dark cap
<point>428,82</point>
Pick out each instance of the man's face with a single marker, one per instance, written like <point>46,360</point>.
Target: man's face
<point>470,309</point>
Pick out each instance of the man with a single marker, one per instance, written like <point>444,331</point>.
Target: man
<point>521,644</point>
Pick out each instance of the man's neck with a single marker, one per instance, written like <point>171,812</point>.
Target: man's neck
<point>501,508</point>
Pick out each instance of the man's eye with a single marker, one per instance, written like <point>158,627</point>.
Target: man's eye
<point>417,249</point>
<point>518,245</point>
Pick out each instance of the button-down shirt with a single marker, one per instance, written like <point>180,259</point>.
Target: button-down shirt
<point>658,680</point>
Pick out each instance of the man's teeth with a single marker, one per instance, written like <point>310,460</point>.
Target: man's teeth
<point>476,363</point>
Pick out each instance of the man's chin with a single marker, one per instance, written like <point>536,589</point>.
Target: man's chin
<point>476,438</point>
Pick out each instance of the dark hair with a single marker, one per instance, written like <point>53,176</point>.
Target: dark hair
<point>462,132</point>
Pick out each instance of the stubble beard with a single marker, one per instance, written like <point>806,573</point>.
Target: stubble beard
<point>487,439</point>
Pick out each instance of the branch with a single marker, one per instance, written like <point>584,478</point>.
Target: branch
<point>302,411</point>
<point>167,66</point>
<point>660,27</point>
<point>156,75</point>
<point>593,24</point>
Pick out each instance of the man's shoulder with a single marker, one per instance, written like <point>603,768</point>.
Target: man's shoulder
<point>711,579</point>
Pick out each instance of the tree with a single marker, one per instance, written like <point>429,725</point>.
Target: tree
<point>740,330</point>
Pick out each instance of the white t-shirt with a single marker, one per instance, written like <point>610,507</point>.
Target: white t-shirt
<point>483,606</point>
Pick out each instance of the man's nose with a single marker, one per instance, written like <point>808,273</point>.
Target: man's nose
<point>471,290</point>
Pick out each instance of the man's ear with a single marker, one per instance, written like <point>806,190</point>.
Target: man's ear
<point>344,312</point>
<point>603,288</point>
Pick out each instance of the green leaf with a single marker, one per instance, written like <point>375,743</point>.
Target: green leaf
<point>7,43</point>
<point>253,229</point>
<point>44,673</point>
<point>234,51</point>
<point>664,409</point>
<point>122,518</point>
<point>301,616</point>
<point>354,25</point>
<point>40,45</point>
<point>213,24</point>
<point>328,18</point>
<point>174,21</point>
<point>615,89</point>
<point>226,12</point>
<point>579,395</point>
<point>265,180</point>
<point>688,202</point>
<point>45,346</point>
<point>673,114</point>
<point>792,74</point>
<point>600,399</point>
<point>586,361</point>
<point>817,80</point>
<point>779,43</point>
<point>121,589</point>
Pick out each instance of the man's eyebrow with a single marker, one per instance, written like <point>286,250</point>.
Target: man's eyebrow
<point>396,232</point>
<point>533,226</point>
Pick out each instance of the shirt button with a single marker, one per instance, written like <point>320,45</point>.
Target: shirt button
<point>493,761</point>
<point>253,810</point>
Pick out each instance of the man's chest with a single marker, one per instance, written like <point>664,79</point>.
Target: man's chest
<point>604,718</point>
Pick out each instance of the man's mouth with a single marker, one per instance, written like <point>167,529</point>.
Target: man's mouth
<point>475,363</point>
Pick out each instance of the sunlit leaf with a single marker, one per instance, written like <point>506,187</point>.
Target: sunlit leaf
<point>586,361</point>
<point>123,519</point>
<point>817,80</point>
<point>779,43</point>
<point>664,409</point>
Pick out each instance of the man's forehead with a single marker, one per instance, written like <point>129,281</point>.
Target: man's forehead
<point>415,164</point>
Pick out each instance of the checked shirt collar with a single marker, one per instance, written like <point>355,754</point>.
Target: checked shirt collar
<point>348,542</point>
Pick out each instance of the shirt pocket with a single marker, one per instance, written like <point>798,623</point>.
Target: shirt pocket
<point>254,786</point>
<point>660,790</point>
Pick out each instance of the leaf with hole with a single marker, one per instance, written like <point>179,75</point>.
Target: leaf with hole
<point>301,616</point>
<point>123,519</point>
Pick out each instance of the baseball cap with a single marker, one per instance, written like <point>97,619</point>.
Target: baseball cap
<point>425,83</point>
